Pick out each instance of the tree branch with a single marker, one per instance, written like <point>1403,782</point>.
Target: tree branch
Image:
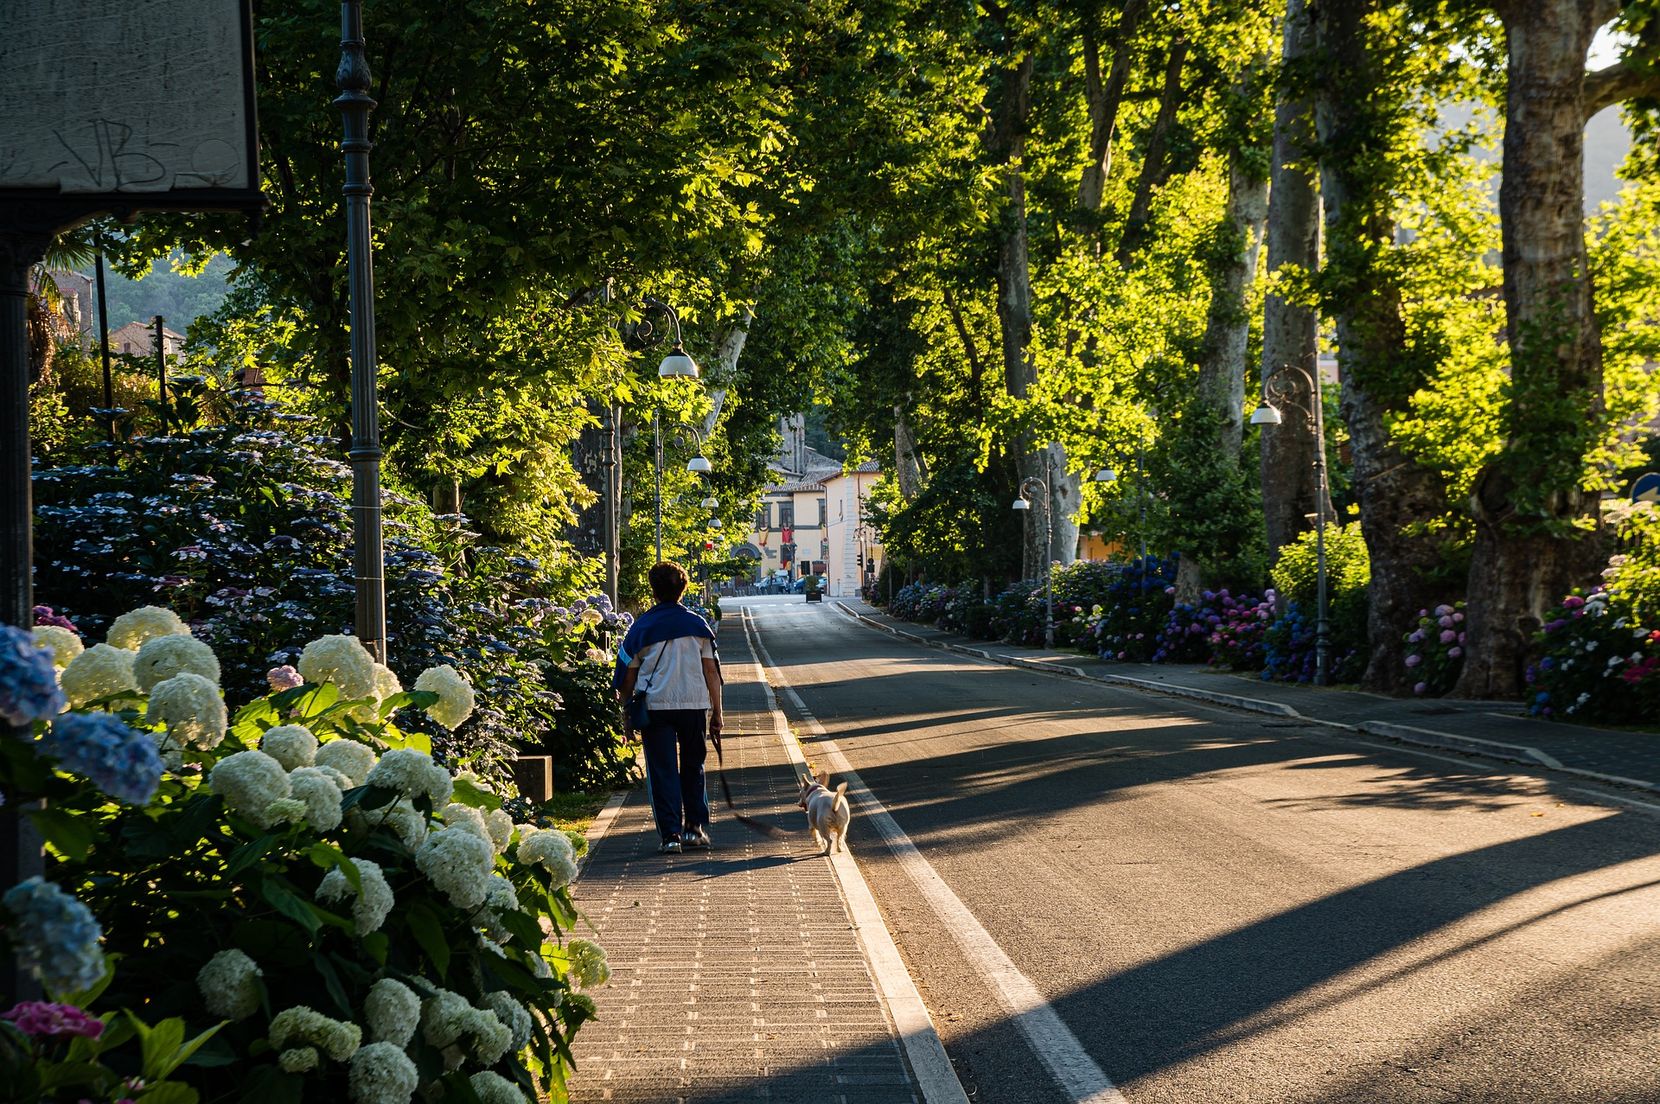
<point>1616,84</point>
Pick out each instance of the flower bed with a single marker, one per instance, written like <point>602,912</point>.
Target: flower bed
<point>294,901</point>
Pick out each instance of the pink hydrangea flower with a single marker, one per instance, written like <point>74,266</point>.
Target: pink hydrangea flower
<point>284,678</point>
<point>45,1020</point>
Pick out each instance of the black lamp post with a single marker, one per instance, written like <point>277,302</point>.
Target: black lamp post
<point>368,558</point>
<point>682,435</point>
<point>1030,486</point>
<point>1278,388</point>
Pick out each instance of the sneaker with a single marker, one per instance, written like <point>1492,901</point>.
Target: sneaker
<point>696,838</point>
<point>670,847</point>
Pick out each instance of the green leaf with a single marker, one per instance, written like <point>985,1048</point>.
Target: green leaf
<point>420,699</point>
<point>331,982</point>
<point>468,792</point>
<point>524,928</point>
<point>170,1092</point>
<point>377,945</point>
<point>428,931</point>
<point>158,1045</point>
<point>312,701</point>
<point>249,853</point>
<point>70,835</point>
<point>291,905</point>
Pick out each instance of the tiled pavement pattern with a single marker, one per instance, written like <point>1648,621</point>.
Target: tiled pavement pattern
<point>735,975</point>
<point>1632,755</point>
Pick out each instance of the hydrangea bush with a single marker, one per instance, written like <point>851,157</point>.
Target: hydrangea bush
<point>1435,649</point>
<point>242,528</point>
<point>335,914</point>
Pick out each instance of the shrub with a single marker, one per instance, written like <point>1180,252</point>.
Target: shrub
<point>1348,574</point>
<point>323,911</point>
<point>1290,648</point>
<point>1435,649</point>
<point>1222,628</point>
<point>1134,609</point>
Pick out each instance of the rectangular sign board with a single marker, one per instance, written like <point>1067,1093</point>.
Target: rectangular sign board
<point>148,100</point>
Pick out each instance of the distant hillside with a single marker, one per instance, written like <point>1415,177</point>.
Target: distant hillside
<point>178,299</point>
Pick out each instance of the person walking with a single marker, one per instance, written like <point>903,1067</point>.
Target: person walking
<point>669,655</point>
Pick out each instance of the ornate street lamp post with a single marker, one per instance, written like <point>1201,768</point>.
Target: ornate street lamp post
<point>682,435</point>
<point>368,556</point>
<point>1028,487</point>
<point>1277,390</point>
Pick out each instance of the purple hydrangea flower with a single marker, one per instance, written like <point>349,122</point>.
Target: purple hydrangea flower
<point>28,684</point>
<point>120,761</point>
<point>1448,636</point>
<point>45,615</point>
<point>1414,660</point>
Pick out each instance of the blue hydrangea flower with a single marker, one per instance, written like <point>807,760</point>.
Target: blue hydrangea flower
<point>119,760</point>
<point>54,935</point>
<point>28,685</point>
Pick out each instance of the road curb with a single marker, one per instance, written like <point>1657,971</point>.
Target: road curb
<point>1386,730</point>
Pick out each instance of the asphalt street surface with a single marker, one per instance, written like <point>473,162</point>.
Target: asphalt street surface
<point>1230,908</point>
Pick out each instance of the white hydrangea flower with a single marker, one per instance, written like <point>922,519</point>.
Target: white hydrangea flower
<point>341,782</point>
<point>98,672</point>
<point>393,1011</point>
<point>465,816</point>
<point>444,1017</point>
<point>284,810</point>
<point>291,745</point>
<point>65,645</point>
<point>133,630</point>
<point>513,1015</point>
<point>500,897</point>
<point>458,863</point>
<point>500,827</point>
<point>190,706</point>
<point>588,963</point>
<point>409,773</point>
<point>170,750</point>
<point>455,695</point>
<point>342,661</point>
<point>491,1038</point>
<point>251,782</point>
<point>553,852</point>
<point>321,794</point>
<point>381,1073</point>
<point>492,1088</point>
<point>165,656</point>
<point>400,818</point>
<point>350,758</point>
<point>371,906</point>
<point>336,1038</point>
<point>386,683</point>
<point>229,984</point>
<point>298,1060</point>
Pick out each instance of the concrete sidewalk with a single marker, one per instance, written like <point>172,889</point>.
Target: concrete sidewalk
<point>1495,729</point>
<point>736,973</point>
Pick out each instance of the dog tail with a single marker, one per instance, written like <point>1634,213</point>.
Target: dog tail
<point>841,790</point>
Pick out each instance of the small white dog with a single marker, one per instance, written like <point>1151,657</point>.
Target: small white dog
<point>827,810</point>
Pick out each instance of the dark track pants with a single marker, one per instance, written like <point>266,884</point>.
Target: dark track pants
<point>679,801</point>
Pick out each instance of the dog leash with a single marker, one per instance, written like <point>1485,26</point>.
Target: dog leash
<point>726,790</point>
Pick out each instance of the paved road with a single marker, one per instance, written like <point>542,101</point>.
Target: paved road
<point>1229,908</point>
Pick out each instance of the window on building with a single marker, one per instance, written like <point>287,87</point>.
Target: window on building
<point>786,515</point>
<point>763,518</point>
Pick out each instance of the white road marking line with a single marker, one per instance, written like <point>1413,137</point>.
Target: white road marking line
<point>1049,1037</point>
<point>929,1062</point>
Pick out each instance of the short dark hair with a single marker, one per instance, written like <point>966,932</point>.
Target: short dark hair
<point>668,581</point>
